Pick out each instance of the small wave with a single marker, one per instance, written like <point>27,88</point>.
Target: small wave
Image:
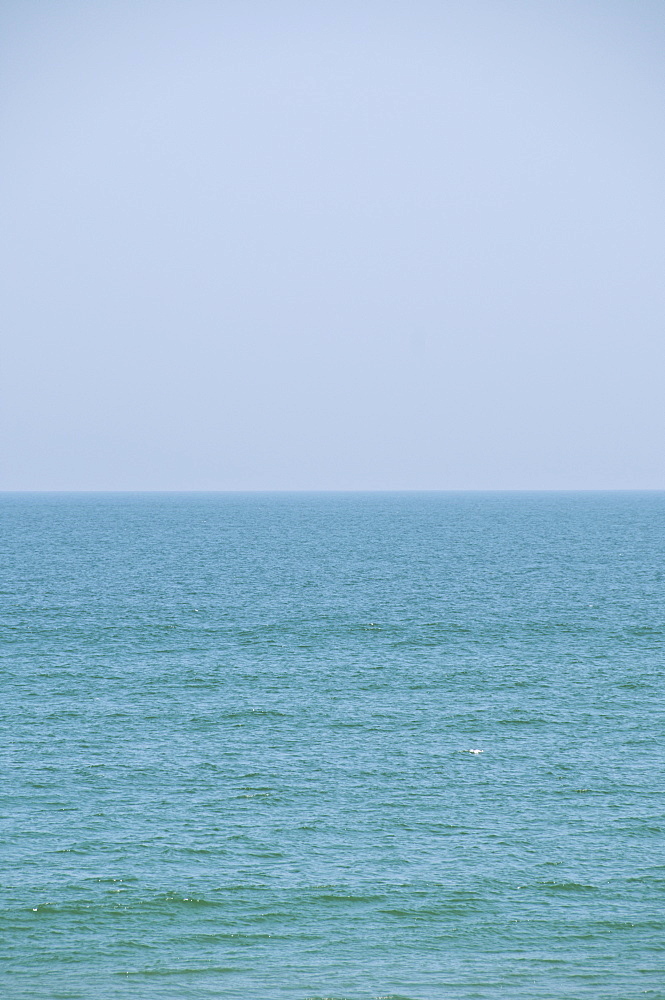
<point>342,897</point>
<point>567,886</point>
<point>195,970</point>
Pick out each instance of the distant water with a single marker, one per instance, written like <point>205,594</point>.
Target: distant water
<point>235,760</point>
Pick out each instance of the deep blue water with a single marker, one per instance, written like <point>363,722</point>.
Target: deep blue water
<point>236,734</point>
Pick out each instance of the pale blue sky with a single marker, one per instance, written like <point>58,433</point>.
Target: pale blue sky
<point>397,245</point>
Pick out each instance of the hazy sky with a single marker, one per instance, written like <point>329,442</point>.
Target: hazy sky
<point>330,245</point>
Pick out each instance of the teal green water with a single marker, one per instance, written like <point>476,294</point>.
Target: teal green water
<point>236,735</point>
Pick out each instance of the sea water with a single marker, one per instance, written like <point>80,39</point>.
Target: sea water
<point>291,746</point>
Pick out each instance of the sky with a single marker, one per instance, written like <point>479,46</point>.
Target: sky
<point>332,246</point>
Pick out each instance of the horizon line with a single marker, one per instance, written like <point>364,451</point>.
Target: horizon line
<point>217,492</point>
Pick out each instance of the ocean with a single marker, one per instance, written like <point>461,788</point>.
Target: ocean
<point>347,746</point>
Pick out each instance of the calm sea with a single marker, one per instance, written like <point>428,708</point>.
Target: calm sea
<point>237,746</point>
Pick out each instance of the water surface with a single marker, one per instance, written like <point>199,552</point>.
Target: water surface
<point>236,746</point>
